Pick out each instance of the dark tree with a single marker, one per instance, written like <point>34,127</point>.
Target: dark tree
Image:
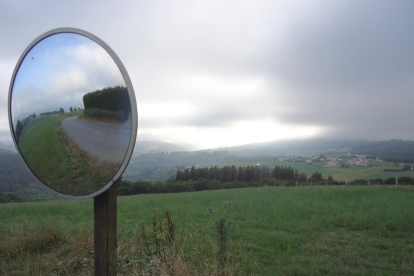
<point>316,177</point>
<point>19,128</point>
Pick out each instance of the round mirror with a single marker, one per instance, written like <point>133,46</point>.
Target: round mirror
<point>72,112</point>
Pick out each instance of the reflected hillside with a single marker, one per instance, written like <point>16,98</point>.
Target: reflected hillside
<point>58,161</point>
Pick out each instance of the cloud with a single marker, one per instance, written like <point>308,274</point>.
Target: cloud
<point>341,68</point>
<point>349,68</point>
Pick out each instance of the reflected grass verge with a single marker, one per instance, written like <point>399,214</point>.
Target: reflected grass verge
<point>60,163</point>
<point>110,121</point>
<point>103,115</point>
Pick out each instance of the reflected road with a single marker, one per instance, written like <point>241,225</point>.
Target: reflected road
<point>106,141</point>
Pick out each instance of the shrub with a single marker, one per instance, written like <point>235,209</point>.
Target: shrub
<point>110,98</point>
<point>221,233</point>
<point>390,181</point>
<point>105,114</point>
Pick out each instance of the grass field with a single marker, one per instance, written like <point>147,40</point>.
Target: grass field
<point>59,161</point>
<point>34,121</point>
<point>275,231</point>
<point>339,174</point>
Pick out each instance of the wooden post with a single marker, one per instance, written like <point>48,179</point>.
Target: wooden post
<point>105,236</point>
<point>396,182</point>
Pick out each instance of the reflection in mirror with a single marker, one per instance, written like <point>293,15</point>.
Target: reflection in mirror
<point>71,114</point>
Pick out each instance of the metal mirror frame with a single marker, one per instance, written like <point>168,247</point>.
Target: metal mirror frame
<point>131,93</point>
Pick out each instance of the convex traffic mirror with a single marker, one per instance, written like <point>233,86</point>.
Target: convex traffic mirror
<point>72,112</point>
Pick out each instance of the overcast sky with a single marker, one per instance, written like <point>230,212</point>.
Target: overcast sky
<point>223,73</point>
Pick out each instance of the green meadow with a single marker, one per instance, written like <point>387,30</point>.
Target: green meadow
<point>339,174</point>
<point>274,231</point>
<point>33,122</point>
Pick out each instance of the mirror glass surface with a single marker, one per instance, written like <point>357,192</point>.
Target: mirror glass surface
<point>71,114</point>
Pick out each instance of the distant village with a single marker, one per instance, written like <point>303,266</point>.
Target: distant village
<point>356,160</point>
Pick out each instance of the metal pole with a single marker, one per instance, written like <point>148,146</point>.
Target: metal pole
<point>105,236</point>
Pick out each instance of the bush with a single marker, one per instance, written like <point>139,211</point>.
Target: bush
<point>10,197</point>
<point>390,181</point>
<point>376,181</point>
<point>359,182</point>
<point>111,98</point>
<point>290,183</point>
<point>105,114</point>
<point>220,230</point>
<point>405,180</point>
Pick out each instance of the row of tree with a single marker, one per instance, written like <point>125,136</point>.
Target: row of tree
<point>21,124</point>
<point>249,173</point>
<point>60,111</point>
<point>110,98</point>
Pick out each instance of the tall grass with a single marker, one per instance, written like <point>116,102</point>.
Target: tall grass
<point>221,229</point>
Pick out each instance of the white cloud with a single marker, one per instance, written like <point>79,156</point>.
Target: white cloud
<point>242,132</point>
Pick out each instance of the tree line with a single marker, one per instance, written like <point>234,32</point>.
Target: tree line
<point>113,99</point>
<point>21,124</point>
<point>60,111</point>
<point>249,173</point>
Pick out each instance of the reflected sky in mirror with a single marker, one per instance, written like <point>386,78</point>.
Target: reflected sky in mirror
<point>71,114</point>
<point>58,71</point>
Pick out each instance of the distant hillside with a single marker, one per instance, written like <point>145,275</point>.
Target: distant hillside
<point>13,171</point>
<point>158,161</point>
<point>159,166</point>
<point>143,147</point>
<point>8,146</point>
<point>5,152</point>
<point>393,150</point>
<point>15,177</point>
